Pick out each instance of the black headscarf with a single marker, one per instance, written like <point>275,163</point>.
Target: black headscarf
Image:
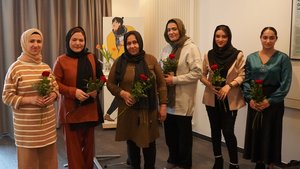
<point>69,51</point>
<point>84,67</point>
<point>176,49</point>
<point>224,56</point>
<point>141,67</point>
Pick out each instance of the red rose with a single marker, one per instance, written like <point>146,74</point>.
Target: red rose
<point>45,73</point>
<point>259,81</point>
<point>172,56</point>
<point>143,77</point>
<point>214,67</point>
<point>103,79</point>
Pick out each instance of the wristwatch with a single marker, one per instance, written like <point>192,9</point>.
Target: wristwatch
<point>231,86</point>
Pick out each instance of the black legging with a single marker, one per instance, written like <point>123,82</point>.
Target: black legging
<point>149,154</point>
<point>222,119</point>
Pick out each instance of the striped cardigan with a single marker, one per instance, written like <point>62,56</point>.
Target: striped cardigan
<point>33,126</point>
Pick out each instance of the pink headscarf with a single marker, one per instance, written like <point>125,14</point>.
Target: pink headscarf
<point>25,55</point>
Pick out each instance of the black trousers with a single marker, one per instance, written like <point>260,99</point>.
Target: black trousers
<point>179,139</point>
<point>222,120</point>
<point>149,154</point>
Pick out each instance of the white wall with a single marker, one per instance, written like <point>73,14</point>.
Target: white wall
<point>156,13</point>
<point>246,19</point>
<point>128,8</point>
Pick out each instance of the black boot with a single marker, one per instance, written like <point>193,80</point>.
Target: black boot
<point>128,161</point>
<point>260,165</point>
<point>232,166</point>
<point>218,163</point>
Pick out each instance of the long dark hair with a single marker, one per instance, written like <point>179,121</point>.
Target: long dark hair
<point>118,20</point>
<point>121,29</point>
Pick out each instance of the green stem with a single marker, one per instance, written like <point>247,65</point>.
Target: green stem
<point>257,121</point>
<point>224,105</point>
<point>122,112</point>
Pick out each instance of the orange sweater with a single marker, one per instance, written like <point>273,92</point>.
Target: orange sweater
<point>33,126</point>
<point>65,71</point>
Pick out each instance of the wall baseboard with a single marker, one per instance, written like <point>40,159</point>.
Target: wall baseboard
<point>201,136</point>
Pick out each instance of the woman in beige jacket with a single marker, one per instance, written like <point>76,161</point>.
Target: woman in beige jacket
<point>223,101</point>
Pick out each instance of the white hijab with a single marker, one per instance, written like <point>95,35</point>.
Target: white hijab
<point>25,55</point>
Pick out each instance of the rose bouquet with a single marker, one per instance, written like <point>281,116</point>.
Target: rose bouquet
<point>96,84</point>
<point>217,79</point>
<point>44,86</point>
<point>170,64</point>
<point>140,87</point>
<point>139,90</point>
<point>256,93</point>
